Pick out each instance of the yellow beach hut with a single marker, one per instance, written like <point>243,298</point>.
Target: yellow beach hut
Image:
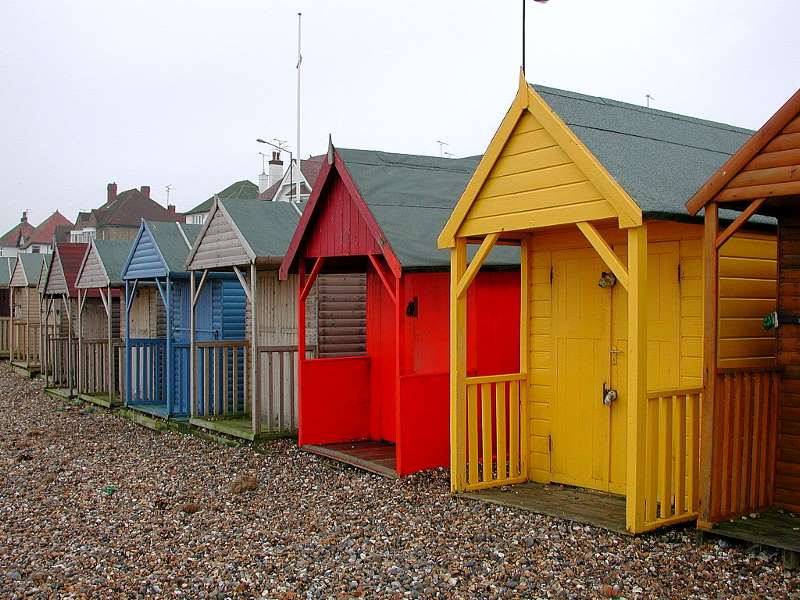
<point>607,398</point>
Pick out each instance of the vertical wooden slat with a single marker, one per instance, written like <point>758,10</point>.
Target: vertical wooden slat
<point>500,424</point>
<point>692,465</point>
<point>665,456</point>
<point>514,447</point>
<point>765,442</point>
<point>224,394</point>
<point>281,395</point>
<point>270,386</point>
<point>772,437</point>
<point>651,475</point>
<point>472,428</point>
<point>744,461</point>
<point>235,374</point>
<point>725,433</point>
<point>679,484</point>
<point>486,430</point>
<point>736,445</point>
<point>756,446</point>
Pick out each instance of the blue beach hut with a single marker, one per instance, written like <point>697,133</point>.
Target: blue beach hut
<point>158,317</point>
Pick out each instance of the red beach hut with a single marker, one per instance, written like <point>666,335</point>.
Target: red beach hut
<point>374,384</point>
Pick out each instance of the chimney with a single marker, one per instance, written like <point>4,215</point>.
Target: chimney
<point>24,218</point>
<point>275,168</point>
<point>112,192</point>
<point>146,191</point>
<point>171,210</point>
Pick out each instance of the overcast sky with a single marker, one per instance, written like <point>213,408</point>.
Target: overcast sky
<point>159,92</point>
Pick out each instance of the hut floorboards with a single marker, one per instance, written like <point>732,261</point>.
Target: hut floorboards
<point>25,369</point>
<point>239,427</point>
<point>65,393</point>
<point>103,400</point>
<point>773,528</point>
<point>574,504</point>
<point>156,410</point>
<point>373,456</point>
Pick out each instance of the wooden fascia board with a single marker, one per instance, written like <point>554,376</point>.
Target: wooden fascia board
<point>630,214</point>
<point>745,154</point>
<point>83,264</point>
<point>199,238</point>
<point>305,218</point>
<point>448,235</point>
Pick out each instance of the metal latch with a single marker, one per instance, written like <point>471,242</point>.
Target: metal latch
<point>609,395</point>
<point>614,352</point>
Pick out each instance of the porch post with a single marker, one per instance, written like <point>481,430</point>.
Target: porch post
<point>637,378</point>
<point>301,343</point>
<point>710,325</point>
<point>67,301</point>
<point>399,313</point>
<point>458,359</point>
<point>79,383</point>
<point>192,341</point>
<point>168,346</point>
<point>255,397</point>
<point>524,324</point>
<point>12,337</point>
<point>127,361</point>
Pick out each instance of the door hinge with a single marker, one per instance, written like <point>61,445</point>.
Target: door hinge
<point>679,272</point>
<point>551,274</point>
<point>550,444</point>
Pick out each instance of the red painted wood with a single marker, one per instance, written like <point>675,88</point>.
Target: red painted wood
<point>381,350</point>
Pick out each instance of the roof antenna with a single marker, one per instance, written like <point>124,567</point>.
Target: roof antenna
<point>168,189</point>
<point>441,147</point>
<point>648,98</point>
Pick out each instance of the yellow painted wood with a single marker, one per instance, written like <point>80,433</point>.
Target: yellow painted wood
<point>494,378</point>
<point>458,370</point>
<point>486,430</point>
<point>606,253</point>
<point>692,453</point>
<point>514,431</point>
<point>524,337</point>
<point>651,476</point>
<point>500,425</point>
<point>472,426</point>
<point>665,456</point>
<point>475,264</point>
<point>637,377</point>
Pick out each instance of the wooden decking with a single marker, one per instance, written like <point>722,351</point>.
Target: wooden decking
<point>59,392</point>
<point>372,456</point>
<point>25,369</point>
<point>573,504</point>
<point>102,400</point>
<point>239,427</point>
<point>156,410</point>
<point>773,528</point>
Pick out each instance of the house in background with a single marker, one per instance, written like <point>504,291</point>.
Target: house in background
<point>13,239</point>
<point>241,190</point>
<point>119,218</point>
<point>285,188</point>
<point>54,228</point>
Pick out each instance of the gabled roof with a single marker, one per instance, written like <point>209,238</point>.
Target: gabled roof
<point>28,268</point>
<point>772,158</point>
<point>7,264</point>
<point>63,272</point>
<point>16,236</point>
<point>264,229</point>
<point>110,257</point>
<point>644,161</point>
<point>241,190</point>
<point>128,209</point>
<point>44,232</point>
<point>409,198</point>
<point>172,242</point>
<point>309,167</point>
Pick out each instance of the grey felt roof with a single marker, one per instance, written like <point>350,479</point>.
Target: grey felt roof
<point>113,255</point>
<point>171,244</point>
<point>240,190</point>
<point>267,226</point>
<point>659,158</point>
<point>411,198</point>
<point>32,265</point>
<point>6,269</point>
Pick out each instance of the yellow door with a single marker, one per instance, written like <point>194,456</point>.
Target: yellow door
<point>663,344</point>
<point>582,329</point>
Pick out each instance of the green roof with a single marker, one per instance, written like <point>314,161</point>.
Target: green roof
<point>32,265</point>
<point>6,269</point>
<point>659,158</point>
<point>267,226</point>
<point>241,190</point>
<point>171,244</point>
<point>113,254</point>
<point>411,198</point>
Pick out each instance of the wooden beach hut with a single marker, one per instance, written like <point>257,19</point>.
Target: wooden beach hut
<point>374,394</point>
<point>158,298</point>
<point>7,264</point>
<point>26,312</point>
<point>751,429</point>
<point>591,192</point>
<point>60,306</point>
<point>247,238</point>
<point>100,322</point>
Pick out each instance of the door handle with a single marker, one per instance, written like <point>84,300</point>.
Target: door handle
<point>609,395</point>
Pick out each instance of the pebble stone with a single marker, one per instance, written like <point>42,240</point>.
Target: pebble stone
<point>93,506</point>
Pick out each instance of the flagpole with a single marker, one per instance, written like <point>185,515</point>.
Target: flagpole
<point>523,36</point>
<point>299,62</point>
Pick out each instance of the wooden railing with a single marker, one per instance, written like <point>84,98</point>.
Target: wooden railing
<point>26,342</point>
<point>94,367</point>
<point>5,336</point>
<point>221,379</point>
<point>672,441</point>
<point>60,361</point>
<point>277,385</point>
<point>147,371</point>
<point>496,431</point>
<point>743,451</point>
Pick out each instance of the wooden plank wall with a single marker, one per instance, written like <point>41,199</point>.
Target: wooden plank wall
<point>787,476</point>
